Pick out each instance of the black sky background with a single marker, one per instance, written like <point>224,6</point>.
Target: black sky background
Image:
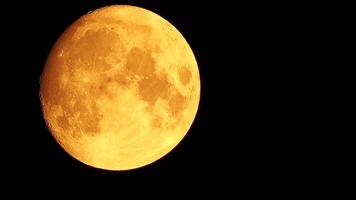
<point>268,78</point>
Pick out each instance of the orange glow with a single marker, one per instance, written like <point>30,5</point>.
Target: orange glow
<point>120,88</point>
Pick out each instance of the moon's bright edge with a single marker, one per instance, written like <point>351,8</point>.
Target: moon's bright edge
<point>120,88</point>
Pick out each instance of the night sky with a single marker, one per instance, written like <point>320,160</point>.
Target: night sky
<point>263,66</point>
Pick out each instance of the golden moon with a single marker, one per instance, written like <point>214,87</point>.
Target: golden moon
<point>120,88</point>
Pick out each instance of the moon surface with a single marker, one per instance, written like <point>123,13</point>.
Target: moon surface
<point>120,88</point>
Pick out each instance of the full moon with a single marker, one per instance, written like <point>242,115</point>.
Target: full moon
<point>120,88</point>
